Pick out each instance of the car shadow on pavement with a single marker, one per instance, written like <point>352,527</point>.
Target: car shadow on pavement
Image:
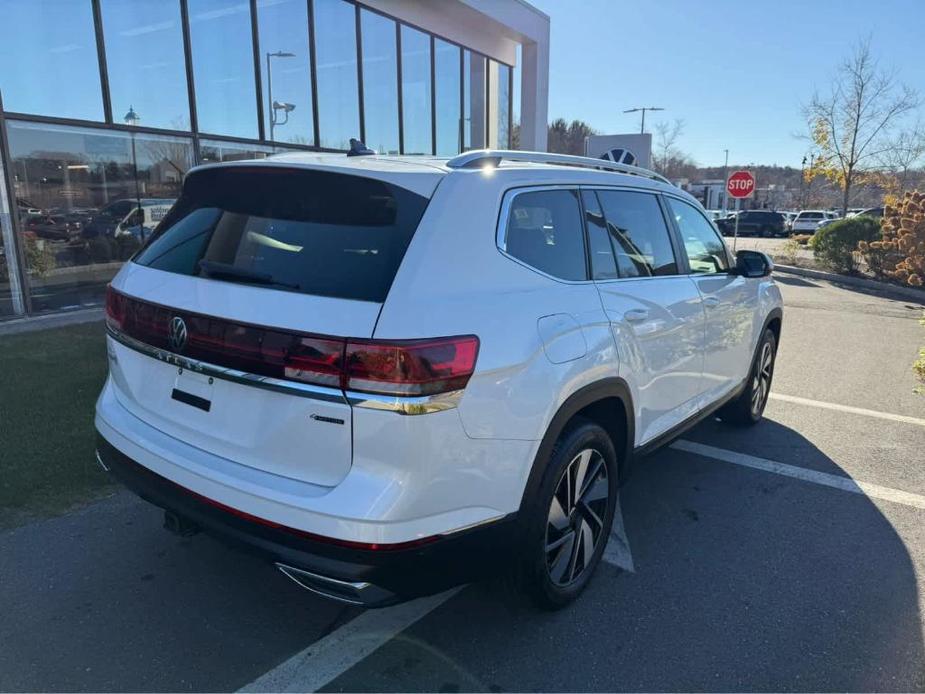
<point>104,599</point>
<point>744,580</point>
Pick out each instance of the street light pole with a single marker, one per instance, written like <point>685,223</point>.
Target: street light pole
<point>642,128</point>
<point>271,110</point>
<point>132,119</point>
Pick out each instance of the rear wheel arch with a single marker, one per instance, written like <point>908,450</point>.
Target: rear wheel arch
<point>609,404</point>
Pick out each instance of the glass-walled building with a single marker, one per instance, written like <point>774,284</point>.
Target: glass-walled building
<point>106,104</point>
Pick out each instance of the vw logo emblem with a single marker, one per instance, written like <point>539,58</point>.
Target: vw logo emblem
<point>176,334</point>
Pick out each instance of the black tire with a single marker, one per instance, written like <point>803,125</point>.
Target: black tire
<point>550,578</point>
<point>748,407</point>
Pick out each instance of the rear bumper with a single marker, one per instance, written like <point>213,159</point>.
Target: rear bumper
<point>371,577</point>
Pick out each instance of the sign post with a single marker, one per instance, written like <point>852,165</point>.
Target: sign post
<point>741,184</point>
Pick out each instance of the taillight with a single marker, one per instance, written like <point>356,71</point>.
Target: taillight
<point>115,308</point>
<point>387,367</point>
<point>315,360</point>
<point>410,367</point>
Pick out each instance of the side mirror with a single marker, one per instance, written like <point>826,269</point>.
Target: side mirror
<point>753,264</point>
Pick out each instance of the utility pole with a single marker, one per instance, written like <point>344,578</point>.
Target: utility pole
<point>725,178</point>
<point>642,128</point>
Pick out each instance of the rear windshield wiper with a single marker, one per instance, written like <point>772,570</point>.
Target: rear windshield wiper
<point>232,272</point>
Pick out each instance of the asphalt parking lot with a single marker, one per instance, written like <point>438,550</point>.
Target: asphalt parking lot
<point>790,556</point>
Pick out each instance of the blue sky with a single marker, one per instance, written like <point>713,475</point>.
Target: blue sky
<point>736,72</point>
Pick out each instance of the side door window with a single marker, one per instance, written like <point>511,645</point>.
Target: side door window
<point>638,234</point>
<point>706,252</point>
<point>544,231</point>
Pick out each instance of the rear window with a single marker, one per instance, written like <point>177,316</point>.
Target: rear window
<point>810,215</point>
<point>313,232</point>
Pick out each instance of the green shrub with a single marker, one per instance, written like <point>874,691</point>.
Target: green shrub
<point>834,245</point>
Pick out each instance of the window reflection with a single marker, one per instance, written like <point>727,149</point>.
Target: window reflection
<point>380,82</point>
<point>81,210</point>
<point>6,261</point>
<point>501,76</point>
<point>415,91</point>
<point>223,66</point>
<point>446,78</point>
<point>213,151</point>
<point>286,66</point>
<point>49,59</point>
<point>474,88</point>
<point>144,56</point>
<point>338,90</point>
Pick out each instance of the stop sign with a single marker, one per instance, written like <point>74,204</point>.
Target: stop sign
<point>741,184</point>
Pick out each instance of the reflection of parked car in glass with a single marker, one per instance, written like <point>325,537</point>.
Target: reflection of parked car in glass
<point>754,222</point>
<point>120,218</point>
<point>53,227</point>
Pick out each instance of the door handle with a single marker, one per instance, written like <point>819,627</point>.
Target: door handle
<point>710,302</point>
<point>636,314</point>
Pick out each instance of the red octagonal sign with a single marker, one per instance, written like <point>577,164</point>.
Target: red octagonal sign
<point>741,184</point>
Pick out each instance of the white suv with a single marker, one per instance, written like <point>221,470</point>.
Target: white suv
<point>392,375</point>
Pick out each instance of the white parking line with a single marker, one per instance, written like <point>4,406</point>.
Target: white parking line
<point>847,408</point>
<point>328,658</point>
<point>846,484</point>
<point>617,551</point>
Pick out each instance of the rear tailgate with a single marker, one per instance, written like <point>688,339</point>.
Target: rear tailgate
<point>230,354</point>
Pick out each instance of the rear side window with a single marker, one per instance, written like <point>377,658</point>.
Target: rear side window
<point>638,233</point>
<point>544,231</point>
<point>314,232</point>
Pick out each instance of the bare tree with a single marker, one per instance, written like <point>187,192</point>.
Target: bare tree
<point>851,124</point>
<point>667,157</point>
<point>906,150</point>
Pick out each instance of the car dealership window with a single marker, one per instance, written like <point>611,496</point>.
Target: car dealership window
<point>380,82</point>
<point>81,211</point>
<point>415,91</point>
<point>336,55</point>
<point>446,82</point>
<point>146,68</point>
<point>223,67</point>
<point>49,59</point>
<point>475,73</point>
<point>285,66</point>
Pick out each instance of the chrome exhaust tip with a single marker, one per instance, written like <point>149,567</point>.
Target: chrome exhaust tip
<point>349,592</point>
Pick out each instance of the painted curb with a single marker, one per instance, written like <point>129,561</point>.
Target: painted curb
<point>906,292</point>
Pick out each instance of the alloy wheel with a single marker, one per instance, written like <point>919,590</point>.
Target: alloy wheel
<point>575,525</point>
<point>761,384</point>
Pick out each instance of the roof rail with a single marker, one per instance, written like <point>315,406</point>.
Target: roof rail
<point>478,158</point>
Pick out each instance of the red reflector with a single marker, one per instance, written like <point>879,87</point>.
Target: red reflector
<point>410,367</point>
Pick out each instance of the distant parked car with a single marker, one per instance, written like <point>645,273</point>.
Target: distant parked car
<point>754,223</point>
<point>807,222</point>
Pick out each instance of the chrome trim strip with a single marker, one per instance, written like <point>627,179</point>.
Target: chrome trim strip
<point>424,404</point>
<point>361,592</point>
<point>392,403</point>
<point>278,385</point>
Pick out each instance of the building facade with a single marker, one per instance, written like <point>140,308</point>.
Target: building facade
<point>106,104</point>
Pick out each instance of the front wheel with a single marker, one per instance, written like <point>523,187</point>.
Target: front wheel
<point>748,407</point>
<point>569,523</point>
